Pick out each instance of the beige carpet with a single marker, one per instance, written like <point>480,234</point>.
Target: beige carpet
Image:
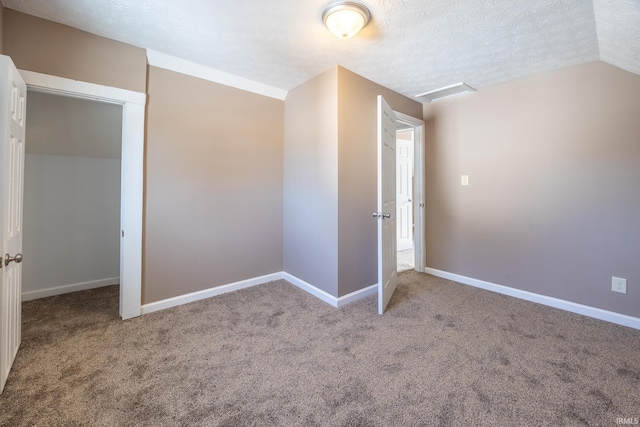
<point>444,354</point>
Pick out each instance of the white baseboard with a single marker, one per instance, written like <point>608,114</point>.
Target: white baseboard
<point>585,310</point>
<point>219,290</point>
<point>208,293</point>
<point>65,289</point>
<point>307,287</point>
<point>355,296</point>
<point>327,297</point>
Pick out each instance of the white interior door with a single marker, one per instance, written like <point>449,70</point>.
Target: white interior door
<point>13,92</point>
<point>404,173</point>
<point>387,262</point>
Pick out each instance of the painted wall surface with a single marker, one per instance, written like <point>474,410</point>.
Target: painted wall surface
<point>65,126</point>
<point>71,192</point>
<point>214,162</point>
<point>357,176</point>
<point>1,25</point>
<point>47,47</point>
<point>71,221</point>
<point>405,135</point>
<point>311,182</point>
<point>553,202</point>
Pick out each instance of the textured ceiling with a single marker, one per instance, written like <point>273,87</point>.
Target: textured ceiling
<point>618,23</point>
<point>411,46</point>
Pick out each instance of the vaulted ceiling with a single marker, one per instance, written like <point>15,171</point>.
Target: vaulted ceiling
<point>410,46</point>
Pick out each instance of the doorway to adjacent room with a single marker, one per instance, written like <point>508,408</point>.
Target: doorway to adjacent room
<point>410,196</point>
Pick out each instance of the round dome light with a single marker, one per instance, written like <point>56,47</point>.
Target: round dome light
<point>345,18</point>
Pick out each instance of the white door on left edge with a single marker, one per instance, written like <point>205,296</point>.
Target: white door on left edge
<point>387,257</point>
<point>13,100</point>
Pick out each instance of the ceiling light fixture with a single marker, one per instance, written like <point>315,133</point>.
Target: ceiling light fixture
<point>345,18</point>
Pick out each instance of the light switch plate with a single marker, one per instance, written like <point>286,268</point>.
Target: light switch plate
<point>464,180</point>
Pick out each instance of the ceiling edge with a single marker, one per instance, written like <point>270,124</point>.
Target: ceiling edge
<point>182,66</point>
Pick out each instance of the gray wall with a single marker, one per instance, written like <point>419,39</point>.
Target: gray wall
<point>213,176</point>
<point>71,221</point>
<point>553,205</point>
<point>71,192</point>
<point>1,24</point>
<point>311,182</point>
<point>47,47</point>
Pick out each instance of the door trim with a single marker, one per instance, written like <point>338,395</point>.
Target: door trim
<point>132,174</point>
<point>419,206</point>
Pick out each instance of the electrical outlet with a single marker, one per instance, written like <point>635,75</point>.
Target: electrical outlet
<point>619,285</point>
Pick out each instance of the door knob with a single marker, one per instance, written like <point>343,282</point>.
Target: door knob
<point>8,259</point>
<point>386,215</point>
<point>409,200</point>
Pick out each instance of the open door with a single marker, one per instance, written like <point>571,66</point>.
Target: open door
<point>387,263</point>
<point>13,99</point>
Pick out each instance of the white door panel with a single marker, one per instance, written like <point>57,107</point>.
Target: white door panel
<point>405,193</point>
<point>387,215</point>
<point>13,92</point>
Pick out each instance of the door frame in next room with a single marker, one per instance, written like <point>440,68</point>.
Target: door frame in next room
<point>419,200</point>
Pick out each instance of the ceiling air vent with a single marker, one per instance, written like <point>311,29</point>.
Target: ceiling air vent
<point>446,92</point>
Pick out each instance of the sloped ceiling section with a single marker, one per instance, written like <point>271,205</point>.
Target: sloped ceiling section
<point>411,46</point>
<point>618,25</point>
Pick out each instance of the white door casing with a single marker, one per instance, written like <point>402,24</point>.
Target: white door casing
<point>133,106</point>
<point>387,258</point>
<point>404,182</point>
<point>13,100</point>
<point>419,191</point>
